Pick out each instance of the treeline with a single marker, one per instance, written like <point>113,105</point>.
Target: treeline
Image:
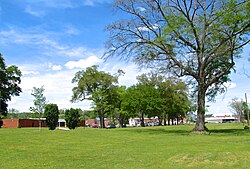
<point>153,95</point>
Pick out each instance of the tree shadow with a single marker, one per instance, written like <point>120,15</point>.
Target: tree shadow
<point>230,131</point>
<point>187,131</point>
<point>157,131</point>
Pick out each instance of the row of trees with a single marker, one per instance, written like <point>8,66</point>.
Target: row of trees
<point>153,95</point>
<point>51,111</point>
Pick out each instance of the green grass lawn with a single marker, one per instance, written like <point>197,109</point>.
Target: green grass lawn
<point>227,146</point>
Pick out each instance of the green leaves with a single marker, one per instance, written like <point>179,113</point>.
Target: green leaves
<point>72,117</point>
<point>51,113</point>
<point>10,78</point>
<point>39,100</point>
<point>96,86</point>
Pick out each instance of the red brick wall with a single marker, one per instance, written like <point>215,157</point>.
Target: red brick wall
<point>90,121</point>
<point>31,123</point>
<point>10,123</point>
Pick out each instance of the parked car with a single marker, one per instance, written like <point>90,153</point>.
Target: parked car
<point>94,126</point>
<point>110,126</point>
<point>157,123</point>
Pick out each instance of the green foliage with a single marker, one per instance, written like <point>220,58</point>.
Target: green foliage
<point>199,39</point>
<point>238,108</point>
<point>22,115</point>
<point>39,101</point>
<point>96,86</point>
<point>169,96</point>
<point>89,114</point>
<point>10,78</point>
<point>72,117</point>
<point>51,113</point>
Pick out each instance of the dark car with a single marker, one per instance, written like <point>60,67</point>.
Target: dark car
<point>110,126</point>
<point>94,126</point>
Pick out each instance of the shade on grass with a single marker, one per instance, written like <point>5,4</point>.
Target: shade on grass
<point>227,146</point>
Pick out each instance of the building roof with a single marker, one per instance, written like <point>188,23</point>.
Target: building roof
<point>61,121</point>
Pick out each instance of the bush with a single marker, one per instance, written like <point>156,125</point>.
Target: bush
<point>51,113</point>
<point>72,117</point>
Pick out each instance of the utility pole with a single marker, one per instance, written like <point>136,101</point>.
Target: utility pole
<point>247,109</point>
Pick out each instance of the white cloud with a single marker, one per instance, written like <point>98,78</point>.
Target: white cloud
<point>63,4</point>
<point>51,3</point>
<point>145,29</point>
<point>73,52</point>
<point>88,3</point>
<point>58,86</point>
<point>44,42</point>
<point>93,2</point>
<point>71,30</point>
<point>36,13</point>
<point>230,85</point>
<point>58,90</point>
<point>141,9</point>
<point>83,63</point>
<point>131,72</point>
<point>56,67</point>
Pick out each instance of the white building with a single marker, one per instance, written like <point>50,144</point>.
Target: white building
<point>220,119</point>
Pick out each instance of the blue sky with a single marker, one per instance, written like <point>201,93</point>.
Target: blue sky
<point>50,40</point>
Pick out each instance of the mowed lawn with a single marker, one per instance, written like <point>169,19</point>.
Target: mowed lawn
<point>227,146</point>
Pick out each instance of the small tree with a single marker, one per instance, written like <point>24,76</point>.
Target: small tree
<point>237,107</point>
<point>72,117</point>
<point>39,102</point>
<point>51,113</point>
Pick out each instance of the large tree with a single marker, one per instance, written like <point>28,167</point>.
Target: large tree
<point>51,112</point>
<point>95,85</point>
<point>141,100</point>
<point>10,78</point>
<point>115,100</point>
<point>195,38</point>
<point>172,101</point>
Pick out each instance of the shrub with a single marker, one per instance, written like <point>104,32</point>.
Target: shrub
<point>72,117</point>
<point>51,113</point>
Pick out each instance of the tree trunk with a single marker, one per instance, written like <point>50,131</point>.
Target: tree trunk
<point>102,125</point>
<point>160,120</point>
<point>168,120</point>
<point>200,121</point>
<point>164,119</point>
<point>142,120</point>
<point>121,121</point>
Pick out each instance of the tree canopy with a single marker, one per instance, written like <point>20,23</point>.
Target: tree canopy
<point>72,117</point>
<point>197,39</point>
<point>95,85</point>
<point>10,78</point>
<point>51,112</point>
